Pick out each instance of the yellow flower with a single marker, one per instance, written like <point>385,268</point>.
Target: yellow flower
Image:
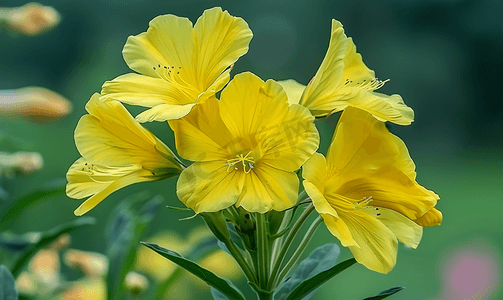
<point>179,64</point>
<point>246,147</point>
<point>366,191</point>
<point>344,80</point>
<point>116,152</point>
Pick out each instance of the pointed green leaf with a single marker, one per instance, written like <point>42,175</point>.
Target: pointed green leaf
<point>7,285</point>
<point>309,285</point>
<point>201,249</point>
<point>386,293</point>
<point>10,210</point>
<point>47,238</point>
<point>207,276</point>
<point>321,259</point>
<point>124,231</point>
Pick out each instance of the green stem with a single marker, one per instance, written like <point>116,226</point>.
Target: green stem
<point>303,244</point>
<point>236,253</point>
<point>263,254</point>
<point>286,245</point>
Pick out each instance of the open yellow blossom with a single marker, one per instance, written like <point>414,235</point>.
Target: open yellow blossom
<point>344,80</point>
<point>116,152</point>
<point>366,191</point>
<point>179,65</point>
<point>246,148</point>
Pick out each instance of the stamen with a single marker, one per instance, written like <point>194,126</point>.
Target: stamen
<point>246,161</point>
<point>164,72</point>
<point>363,203</point>
<point>372,85</point>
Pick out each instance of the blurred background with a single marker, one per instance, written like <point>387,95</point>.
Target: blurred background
<point>442,56</point>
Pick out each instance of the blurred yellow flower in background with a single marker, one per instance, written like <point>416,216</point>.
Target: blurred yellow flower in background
<point>179,65</point>
<point>246,148</point>
<point>366,192</point>
<point>116,152</point>
<point>343,80</point>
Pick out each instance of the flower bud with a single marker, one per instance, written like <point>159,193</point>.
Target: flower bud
<point>89,263</point>
<point>34,104</point>
<point>31,18</point>
<point>23,163</point>
<point>136,283</point>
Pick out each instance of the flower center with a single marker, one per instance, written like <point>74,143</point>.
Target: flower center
<point>246,161</point>
<point>169,73</point>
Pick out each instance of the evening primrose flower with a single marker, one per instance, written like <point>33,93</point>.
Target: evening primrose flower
<point>366,191</point>
<point>179,65</point>
<point>116,152</point>
<point>343,80</point>
<point>246,148</point>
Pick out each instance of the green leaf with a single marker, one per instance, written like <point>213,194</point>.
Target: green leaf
<point>123,234</point>
<point>386,293</point>
<point>201,249</point>
<point>16,242</point>
<point>309,285</point>
<point>7,285</point>
<point>217,295</point>
<point>321,259</point>
<point>14,208</point>
<point>207,276</point>
<point>47,238</point>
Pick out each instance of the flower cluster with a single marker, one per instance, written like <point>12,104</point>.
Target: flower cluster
<point>248,143</point>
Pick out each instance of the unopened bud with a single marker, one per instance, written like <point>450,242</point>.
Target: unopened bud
<point>23,163</point>
<point>136,283</point>
<point>89,263</point>
<point>34,104</point>
<point>31,18</point>
<point>25,284</point>
<point>45,267</point>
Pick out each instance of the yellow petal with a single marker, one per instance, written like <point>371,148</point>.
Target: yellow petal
<point>145,91</point>
<point>314,171</point>
<point>141,175</point>
<point>164,112</point>
<point>295,140</point>
<point>202,135</point>
<point>328,78</point>
<point>109,136</point>
<point>371,162</point>
<point>406,231</point>
<point>377,245</point>
<point>383,107</point>
<point>267,188</point>
<point>208,187</point>
<point>354,68</point>
<point>433,217</point>
<point>168,42</point>
<point>80,184</point>
<point>220,39</point>
<point>249,106</point>
<point>293,90</point>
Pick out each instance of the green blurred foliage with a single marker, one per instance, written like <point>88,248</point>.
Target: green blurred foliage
<point>443,57</point>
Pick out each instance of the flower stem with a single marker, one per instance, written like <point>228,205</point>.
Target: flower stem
<point>303,244</point>
<point>236,253</point>
<point>263,259</point>
<point>274,279</point>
